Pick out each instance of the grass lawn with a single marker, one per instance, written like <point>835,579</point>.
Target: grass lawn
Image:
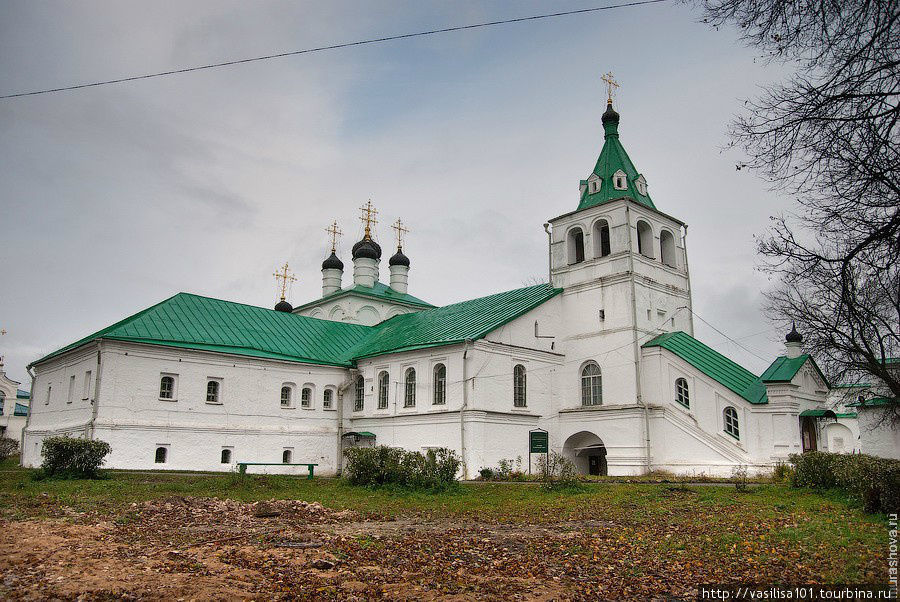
<point>612,540</point>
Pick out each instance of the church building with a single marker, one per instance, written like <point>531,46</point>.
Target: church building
<point>602,358</point>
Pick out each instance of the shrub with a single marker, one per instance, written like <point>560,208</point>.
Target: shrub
<point>382,465</point>
<point>68,457</point>
<point>874,482</point>
<point>8,447</point>
<point>557,472</point>
<point>739,477</point>
<point>782,473</point>
<point>487,474</point>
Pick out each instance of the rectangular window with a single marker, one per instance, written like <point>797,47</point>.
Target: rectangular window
<point>383,386</point>
<point>167,387</point>
<point>49,390</point>
<point>305,397</point>
<point>71,389</point>
<point>327,398</point>
<point>213,387</point>
<point>86,389</point>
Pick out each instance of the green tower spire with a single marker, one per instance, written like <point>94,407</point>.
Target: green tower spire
<point>616,176</point>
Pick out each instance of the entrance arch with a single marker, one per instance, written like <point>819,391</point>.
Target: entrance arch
<point>587,452</point>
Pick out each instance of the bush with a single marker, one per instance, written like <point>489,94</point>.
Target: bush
<point>739,477</point>
<point>557,472</point>
<point>68,457</point>
<point>382,465</point>
<point>874,482</point>
<point>487,474</point>
<point>8,447</point>
<point>782,473</point>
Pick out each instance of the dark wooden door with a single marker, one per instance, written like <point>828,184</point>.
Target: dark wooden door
<point>808,433</point>
<point>597,464</point>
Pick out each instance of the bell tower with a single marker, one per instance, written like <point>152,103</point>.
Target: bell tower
<point>622,265</point>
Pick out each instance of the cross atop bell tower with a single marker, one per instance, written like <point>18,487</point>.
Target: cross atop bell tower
<point>368,218</point>
<point>611,85</point>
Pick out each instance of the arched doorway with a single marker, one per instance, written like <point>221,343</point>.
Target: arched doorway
<point>587,452</point>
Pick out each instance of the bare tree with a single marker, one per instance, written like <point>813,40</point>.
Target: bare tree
<point>829,135</point>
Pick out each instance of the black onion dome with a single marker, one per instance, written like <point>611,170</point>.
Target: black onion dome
<point>610,115</point>
<point>284,306</point>
<point>367,248</point>
<point>793,336</point>
<point>399,258</point>
<point>333,263</point>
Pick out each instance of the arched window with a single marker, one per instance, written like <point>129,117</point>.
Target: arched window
<point>594,186</point>
<point>667,251</point>
<point>305,397</point>
<point>167,387</point>
<point>520,389</point>
<point>409,386</point>
<point>591,385</point>
<point>730,417</point>
<point>681,392</point>
<point>620,180</point>
<point>2,401</point>
<point>286,456</point>
<point>161,453</point>
<point>575,245</point>
<point>212,391</point>
<point>286,394</point>
<point>384,384</point>
<point>644,239</point>
<point>226,456</point>
<point>327,399</point>
<point>440,384</point>
<point>601,238</point>
<point>359,400</point>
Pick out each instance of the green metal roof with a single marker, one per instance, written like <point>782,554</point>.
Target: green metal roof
<point>195,322</point>
<point>713,364</point>
<point>20,410</point>
<point>875,401</point>
<point>784,369</point>
<point>23,394</point>
<point>380,291</point>
<point>818,413</point>
<point>453,323</point>
<point>612,159</point>
<point>847,415</point>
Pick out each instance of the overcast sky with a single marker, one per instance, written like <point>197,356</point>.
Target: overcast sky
<point>116,197</point>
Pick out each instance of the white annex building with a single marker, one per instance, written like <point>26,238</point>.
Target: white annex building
<point>603,358</point>
<point>13,407</point>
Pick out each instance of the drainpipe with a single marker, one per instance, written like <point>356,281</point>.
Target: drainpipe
<point>549,253</point>
<point>637,348</point>
<point>339,463</point>
<point>687,271</point>
<point>95,401</point>
<point>27,418</point>
<point>462,410</point>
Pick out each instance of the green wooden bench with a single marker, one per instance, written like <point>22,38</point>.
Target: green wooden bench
<point>242,466</point>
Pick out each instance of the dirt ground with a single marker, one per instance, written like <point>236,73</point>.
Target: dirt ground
<point>210,549</point>
<point>199,548</point>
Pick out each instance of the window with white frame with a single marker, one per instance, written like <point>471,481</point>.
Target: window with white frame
<point>212,390</point>
<point>360,397</point>
<point>440,384</point>
<point>682,394</point>
<point>86,389</point>
<point>520,388</point>
<point>591,385</point>
<point>575,245</point>
<point>287,395</point>
<point>730,419</point>
<point>167,387</point>
<point>327,399</point>
<point>409,387</point>
<point>641,185</point>
<point>305,397</point>
<point>620,180</point>
<point>384,384</point>
<point>71,389</point>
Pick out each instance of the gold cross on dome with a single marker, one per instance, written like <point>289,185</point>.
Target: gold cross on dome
<point>400,229</point>
<point>335,232</point>
<point>284,277</point>
<point>611,85</point>
<point>368,217</point>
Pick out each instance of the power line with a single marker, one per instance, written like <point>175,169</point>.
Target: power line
<point>332,47</point>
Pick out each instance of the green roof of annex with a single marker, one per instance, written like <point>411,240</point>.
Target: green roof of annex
<point>205,324</point>
<point>380,291</point>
